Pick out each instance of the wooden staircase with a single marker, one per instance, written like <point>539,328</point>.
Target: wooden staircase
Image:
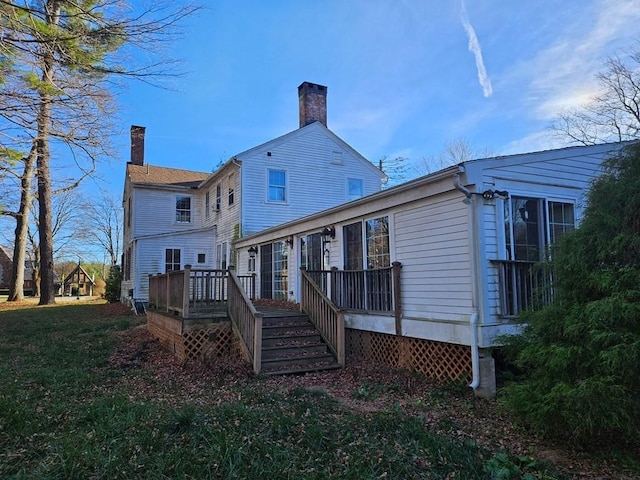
<point>292,344</point>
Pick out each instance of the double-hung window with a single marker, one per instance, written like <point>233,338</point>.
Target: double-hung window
<point>277,189</point>
<point>183,209</point>
<point>172,259</point>
<point>232,189</point>
<point>207,204</point>
<point>355,188</point>
<point>377,237</point>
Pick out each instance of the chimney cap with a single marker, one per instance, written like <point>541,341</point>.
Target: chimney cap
<point>312,86</point>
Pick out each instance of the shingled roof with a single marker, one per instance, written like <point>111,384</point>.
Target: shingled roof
<point>152,175</point>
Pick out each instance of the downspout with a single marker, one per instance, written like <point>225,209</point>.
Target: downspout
<point>473,320</point>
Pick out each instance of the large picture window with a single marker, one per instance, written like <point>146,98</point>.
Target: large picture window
<point>533,224</point>
<point>183,209</point>
<point>277,186</point>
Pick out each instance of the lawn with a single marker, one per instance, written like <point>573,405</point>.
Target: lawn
<point>85,393</point>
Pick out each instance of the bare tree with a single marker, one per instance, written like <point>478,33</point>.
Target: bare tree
<point>104,222</point>
<point>60,61</point>
<point>67,228</point>
<point>455,152</point>
<point>396,170</point>
<point>614,114</point>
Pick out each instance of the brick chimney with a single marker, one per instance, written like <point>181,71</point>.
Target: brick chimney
<point>137,145</point>
<point>313,103</point>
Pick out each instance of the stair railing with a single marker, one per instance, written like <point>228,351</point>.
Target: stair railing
<point>327,318</point>
<point>246,321</point>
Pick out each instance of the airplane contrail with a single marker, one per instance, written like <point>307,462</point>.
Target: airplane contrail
<point>474,47</point>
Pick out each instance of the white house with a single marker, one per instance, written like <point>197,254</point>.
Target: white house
<point>430,273</point>
<point>177,217</point>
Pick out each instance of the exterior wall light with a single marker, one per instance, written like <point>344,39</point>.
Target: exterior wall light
<point>328,233</point>
<point>491,194</point>
<point>252,252</point>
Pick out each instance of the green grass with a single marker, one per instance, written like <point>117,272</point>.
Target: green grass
<point>67,412</point>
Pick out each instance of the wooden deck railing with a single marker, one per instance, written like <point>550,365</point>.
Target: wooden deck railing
<point>188,291</point>
<point>328,319</point>
<point>523,286</point>
<point>246,321</point>
<point>373,290</point>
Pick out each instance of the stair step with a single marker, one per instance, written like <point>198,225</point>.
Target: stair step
<point>281,321</point>
<point>292,370</point>
<point>290,340</point>
<point>308,363</point>
<point>288,331</point>
<point>289,352</point>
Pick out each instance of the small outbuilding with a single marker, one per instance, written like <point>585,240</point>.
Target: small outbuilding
<point>78,282</point>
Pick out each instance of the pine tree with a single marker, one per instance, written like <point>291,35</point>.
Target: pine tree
<point>59,62</point>
<point>581,356</point>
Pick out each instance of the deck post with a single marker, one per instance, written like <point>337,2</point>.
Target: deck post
<point>185,291</point>
<point>257,343</point>
<point>167,291</point>
<point>397,297</point>
<point>253,295</point>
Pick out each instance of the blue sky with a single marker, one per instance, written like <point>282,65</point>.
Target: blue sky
<point>404,77</point>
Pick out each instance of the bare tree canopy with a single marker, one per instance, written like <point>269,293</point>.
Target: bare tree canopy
<point>614,114</point>
<point>454,152</point>
<point>60,65</point>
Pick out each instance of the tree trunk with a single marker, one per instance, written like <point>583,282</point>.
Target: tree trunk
<point>45,214</point>
<point>16,287</point>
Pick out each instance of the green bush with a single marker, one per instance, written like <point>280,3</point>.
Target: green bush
<point>580,356</point>
<point>112,289</point>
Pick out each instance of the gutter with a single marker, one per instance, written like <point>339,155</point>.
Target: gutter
<point>473,320</point>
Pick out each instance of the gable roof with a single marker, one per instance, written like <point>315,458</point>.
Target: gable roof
<point>74,276</point>
<point>154,175</point>
<point>6,251</point>
<point>301,131</point>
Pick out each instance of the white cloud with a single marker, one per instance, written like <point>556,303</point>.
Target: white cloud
<point>474,47</point>
<point>563,75</point>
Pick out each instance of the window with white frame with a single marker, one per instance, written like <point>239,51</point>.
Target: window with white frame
<point>533,224</point>
<point>277,188</point>
<point>183,209</point>
<point>207,204</point>
<point>232,189</point>
<point>377,242</point>
<point>355,188</point>
<point>218,197</point>
<point>171,259</point>
<point>221,256</point>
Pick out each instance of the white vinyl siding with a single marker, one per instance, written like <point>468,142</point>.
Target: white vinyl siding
<point>432,243</point>
<point>313,181</point>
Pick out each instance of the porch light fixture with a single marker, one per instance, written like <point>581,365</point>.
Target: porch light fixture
<point>252,252</point>
<point>491,194</point>
<point>488,194</point>
<point>289,241</point>
<point>328,233</point>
